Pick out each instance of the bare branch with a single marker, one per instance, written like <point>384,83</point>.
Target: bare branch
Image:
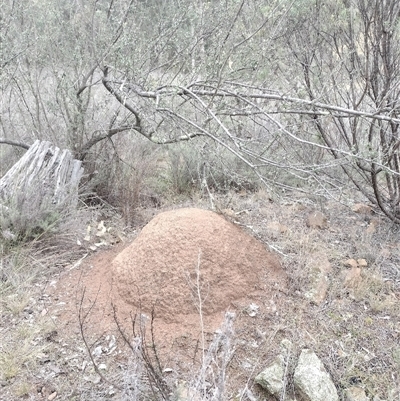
<point>14,143</point>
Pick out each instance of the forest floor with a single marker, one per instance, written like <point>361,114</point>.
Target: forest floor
<point>51,294</point>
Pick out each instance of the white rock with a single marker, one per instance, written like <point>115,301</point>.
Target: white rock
<point>52,396</point>
<point>312,380</point>
<point>271,378</point>
<point>356,393</point>
<point>112,342</point>
<point>97,351</point>
<point>252,310</point>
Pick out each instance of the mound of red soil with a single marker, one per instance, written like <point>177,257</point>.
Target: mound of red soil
<point>190,258</point>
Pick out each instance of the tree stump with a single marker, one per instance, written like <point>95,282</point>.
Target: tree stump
<point>43,183</point>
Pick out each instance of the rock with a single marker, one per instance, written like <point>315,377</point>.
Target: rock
<point>320,268</point>
<point>276,228</point>
<point>319,289</point>
<point>317,220</point>
<point>180,247</point>
<point>311,379</point>
<point>286,346</point>
<point>97,351</point>
<point>230,214</point>
<point>271,378</point>
<point>350,263</point>
<point>362,208</point>
<point>355,263</point>
<point>352,277</point>
<point>356,393</point>
<point>252,310</point>
<point>52,396</point>
<point>374,223</point>
<point>362,263</point>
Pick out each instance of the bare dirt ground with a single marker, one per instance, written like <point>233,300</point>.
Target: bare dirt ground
<point>354,327</point>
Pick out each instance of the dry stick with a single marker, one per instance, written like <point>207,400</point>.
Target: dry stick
<point>200,303</point>
<point>222,340</point>
<point>153,340</point>
<point>154,373</point>
<point>82,317</point>
<point>226,353</point>
<point>282,397</point>
<point>205,185</point>
<point>196,288</point>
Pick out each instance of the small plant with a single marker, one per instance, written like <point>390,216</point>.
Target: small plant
<point>28,215</point>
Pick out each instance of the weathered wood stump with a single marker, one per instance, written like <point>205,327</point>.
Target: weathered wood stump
<point>43,182</point>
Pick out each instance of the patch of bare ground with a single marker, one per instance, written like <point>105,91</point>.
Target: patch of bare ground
<point>354,326</point>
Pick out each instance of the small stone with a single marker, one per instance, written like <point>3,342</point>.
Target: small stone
<point>317,220</point>
<point>95,379</point>
<point>52,396</point>
<point>54,368</point>
<point>97,351</point>
<point>352,277</point>
<point>356,393</point>
<point>286,345</point>
<point>319,290</point>
<point>372,226</point>
<point>271,378</point>
<point>230,214</point>
<point>101,229</point>
<point>252,310</point>
<point>323,263</point>
<point>320,268</point>
<point>276,228</point>
<point>362,263</point>
<point>362,208</point>
<point>350,263</point>
<point>112,342</point>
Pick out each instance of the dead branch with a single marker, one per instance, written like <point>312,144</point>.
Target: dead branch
<point>14,143</point>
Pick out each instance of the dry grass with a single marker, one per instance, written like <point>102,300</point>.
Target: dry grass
<point>356,328</point>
